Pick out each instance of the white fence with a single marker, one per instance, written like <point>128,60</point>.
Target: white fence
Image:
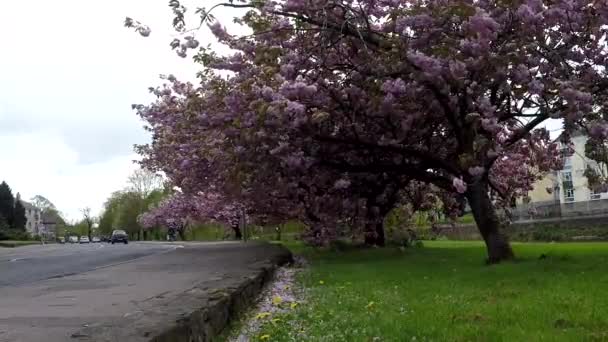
<point>557,210</point>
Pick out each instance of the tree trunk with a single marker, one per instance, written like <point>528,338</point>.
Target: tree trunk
<point>497,244</point>
<point>374,230</point>
<point>380,239</point>
<point>237,233</point>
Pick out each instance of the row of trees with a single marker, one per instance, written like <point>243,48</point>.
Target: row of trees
<point>336,112</point>
<point>122,210</point>
<point>148,206</point>
<point>13,219</point>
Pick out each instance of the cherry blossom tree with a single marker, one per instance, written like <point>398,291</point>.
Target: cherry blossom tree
<point>446,93</point>
<point>180,210</point>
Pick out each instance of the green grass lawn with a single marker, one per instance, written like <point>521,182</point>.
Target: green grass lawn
<point>444,292</point>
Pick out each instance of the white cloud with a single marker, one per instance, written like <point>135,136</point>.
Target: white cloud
<point>70,72</point>
<point>41,163</point>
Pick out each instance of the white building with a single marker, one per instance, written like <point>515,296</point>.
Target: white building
<point>33,215</point>
<point>571,194</point>
<point>571,179</point>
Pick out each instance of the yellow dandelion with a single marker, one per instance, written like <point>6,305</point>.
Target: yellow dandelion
<point>294,305</point>
<point>321,282</point>
<point>277,300</point>
<point>262,315</point>
<point>264,337</point>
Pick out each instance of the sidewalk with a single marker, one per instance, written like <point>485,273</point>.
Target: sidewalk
<point>186,293</point>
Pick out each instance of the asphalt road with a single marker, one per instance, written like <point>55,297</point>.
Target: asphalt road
<point>106,293</point>
<point>23,265</point>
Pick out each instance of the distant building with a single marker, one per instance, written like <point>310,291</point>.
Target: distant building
<point>565,192</point>
<point>33,217</point>
<point>49,225</point>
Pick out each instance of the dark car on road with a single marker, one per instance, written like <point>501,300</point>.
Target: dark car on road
<point>119,236</point>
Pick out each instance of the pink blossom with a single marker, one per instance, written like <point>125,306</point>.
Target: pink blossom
<point>477,171</point>
<point>342,184</point>
<point>459,185</point>
<point>219,31</point>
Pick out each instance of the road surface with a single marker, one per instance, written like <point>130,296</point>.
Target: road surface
<point>106,293</point>
<point>19,266</point>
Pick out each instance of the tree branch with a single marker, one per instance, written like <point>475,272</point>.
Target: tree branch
<point>423,156</point>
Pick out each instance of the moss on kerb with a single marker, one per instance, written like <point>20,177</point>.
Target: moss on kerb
<point>205,324</point>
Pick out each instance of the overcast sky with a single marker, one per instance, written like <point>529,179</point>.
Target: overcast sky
<point>69,74</point>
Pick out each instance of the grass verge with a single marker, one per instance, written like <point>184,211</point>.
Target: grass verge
<point>12,244</point>
<point>444,292</point>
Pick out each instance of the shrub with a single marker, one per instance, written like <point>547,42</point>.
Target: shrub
<point>16,235</point>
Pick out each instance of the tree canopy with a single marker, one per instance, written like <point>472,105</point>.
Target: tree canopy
<point>19,218</point>
<point>325,98</point>
<point>7,204</point>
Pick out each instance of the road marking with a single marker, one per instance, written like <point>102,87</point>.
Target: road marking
<point>16,259</point>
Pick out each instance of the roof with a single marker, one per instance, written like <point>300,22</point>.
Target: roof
<point>49,218</point>
<point>28,205</point>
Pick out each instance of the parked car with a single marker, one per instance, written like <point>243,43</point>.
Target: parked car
<point>61,239</point>
<point>84,239</point>
<point>73,239</point>
<point>119,236</point>
<point>95,239</point>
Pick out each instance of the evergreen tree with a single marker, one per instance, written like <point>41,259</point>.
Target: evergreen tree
<point>19,219</point>
<point>4,229</point>
<point>7,203</point>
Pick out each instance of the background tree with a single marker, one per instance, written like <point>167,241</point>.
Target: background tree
<point>47,208</point>
<point>88,220</point>
<point>4,228</point>
<point>597,170</point>
<point>178,211</point>
<point>19,218</point>
<point>142,183</point>
<point>123,208</point>
<point>107,220</point>
<point>7,204</point>
<point>42,203</point>
<point>78,228</point>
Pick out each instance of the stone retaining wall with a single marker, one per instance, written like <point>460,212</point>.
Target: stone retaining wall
<point>207,323</point>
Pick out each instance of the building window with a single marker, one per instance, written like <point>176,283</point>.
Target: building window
<point>568,186</point>
<point>567,163</point>
<point>569,195</point>
<point>567,153</point>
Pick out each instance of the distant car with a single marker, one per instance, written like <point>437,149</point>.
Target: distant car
<point>61,239</point>
<point>95,239</point>
<point>84,239</point>
<point>73,239</point>
<point>119,236</point>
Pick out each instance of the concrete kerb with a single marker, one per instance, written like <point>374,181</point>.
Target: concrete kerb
<point>207,323</point>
